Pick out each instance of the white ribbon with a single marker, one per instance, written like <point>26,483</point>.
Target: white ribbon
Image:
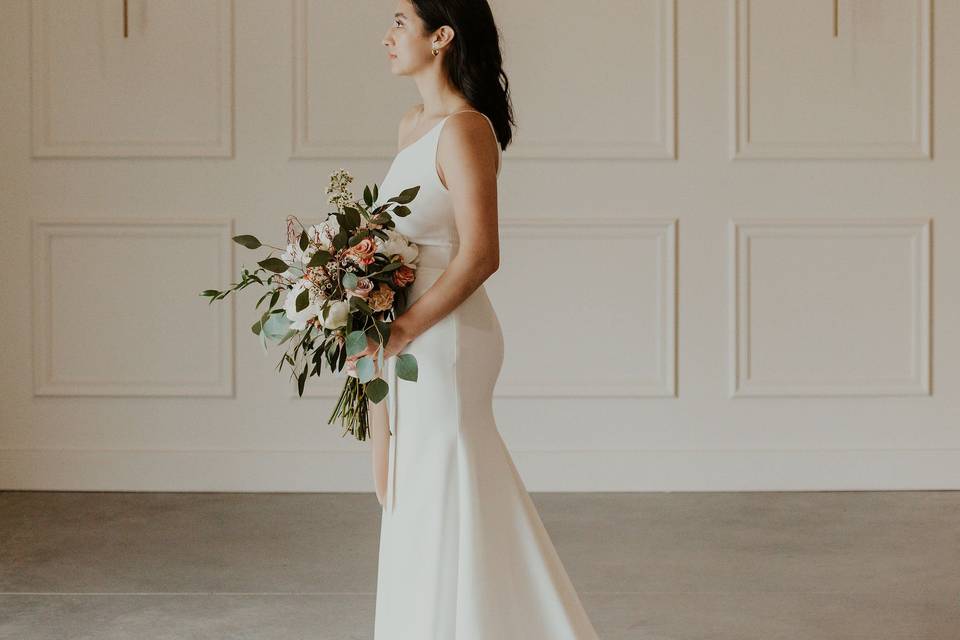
<point>391,401</point>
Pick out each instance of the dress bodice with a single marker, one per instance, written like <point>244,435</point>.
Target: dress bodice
<point>431,223</point>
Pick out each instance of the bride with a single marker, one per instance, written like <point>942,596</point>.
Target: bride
<point>463,552</point>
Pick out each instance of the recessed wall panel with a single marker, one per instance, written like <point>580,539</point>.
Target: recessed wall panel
<point>838,79</point>
<point>117,309</point>
<point>163,90</point>
<point>837,307</point>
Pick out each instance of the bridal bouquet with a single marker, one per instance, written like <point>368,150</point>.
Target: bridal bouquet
<point>342,281</point>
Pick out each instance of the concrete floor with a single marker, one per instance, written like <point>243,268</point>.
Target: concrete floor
<point>664,566</point>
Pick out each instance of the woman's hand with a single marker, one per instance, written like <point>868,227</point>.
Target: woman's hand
<point>399,339</point>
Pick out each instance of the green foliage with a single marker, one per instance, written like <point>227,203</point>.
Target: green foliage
<point>406,196</point>
<point>407,367</point>
<point>303,299</point>
<point>356,342</point>
<point>307,349</point>
<point>350,280</point>
<point>358,236</point>
<point>357,302</point>
<point>250,242</point>
<point>274,264</point>
<point>320,258</point>
<point>377,390</point>
<point>365,369</point>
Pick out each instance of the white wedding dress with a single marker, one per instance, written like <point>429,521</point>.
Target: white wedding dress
<point>463,552</point>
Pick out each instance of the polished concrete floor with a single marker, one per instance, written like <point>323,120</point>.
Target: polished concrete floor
<point>664,566</point>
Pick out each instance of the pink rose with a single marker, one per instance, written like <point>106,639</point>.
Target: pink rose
<point>404,276</point>
<point>364,251</point>
<point>362,290</point>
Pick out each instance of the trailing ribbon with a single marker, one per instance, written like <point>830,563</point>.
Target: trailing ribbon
<point>391,401</point>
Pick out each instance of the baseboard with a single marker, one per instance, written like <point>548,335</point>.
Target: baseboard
<point>606,470</point>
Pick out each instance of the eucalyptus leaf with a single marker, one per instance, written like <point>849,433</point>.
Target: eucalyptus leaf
<point>407,367</point>
<point>365,369</point>
<point>276,326</point>
<point>377,390</point>
<point>401,211</point>
<point>367,196</point>
<point>350,280</point>
<point>356,342</point>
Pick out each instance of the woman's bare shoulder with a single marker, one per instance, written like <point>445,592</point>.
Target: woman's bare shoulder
<point>468,131</point>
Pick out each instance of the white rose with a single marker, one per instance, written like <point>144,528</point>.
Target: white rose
<point>395,244</point>
<point>299,319</point>
<point>336,315</point>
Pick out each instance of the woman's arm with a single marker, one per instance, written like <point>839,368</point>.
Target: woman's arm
<point>467,155</point>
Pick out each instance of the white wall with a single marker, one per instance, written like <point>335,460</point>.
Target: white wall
<point>729,297</point>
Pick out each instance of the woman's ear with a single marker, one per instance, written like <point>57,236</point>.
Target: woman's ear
<point>445,36</point>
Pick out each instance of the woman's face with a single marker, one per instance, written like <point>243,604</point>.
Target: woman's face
<point>408,48</point>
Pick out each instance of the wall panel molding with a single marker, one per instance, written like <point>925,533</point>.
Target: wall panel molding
<point>305,143</point>
<point>48,376</point>
<point>745,382</point>
<point>663,144</point>
<point>218,141</point>
<point>742,146</point>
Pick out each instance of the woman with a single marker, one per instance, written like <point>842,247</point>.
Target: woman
<point>463,552</point>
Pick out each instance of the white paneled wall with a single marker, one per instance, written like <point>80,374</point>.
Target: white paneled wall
<point>729,240</point>
<point>163,90</point>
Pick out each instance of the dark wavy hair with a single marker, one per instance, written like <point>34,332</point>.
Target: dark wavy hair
<point>474,62</point>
